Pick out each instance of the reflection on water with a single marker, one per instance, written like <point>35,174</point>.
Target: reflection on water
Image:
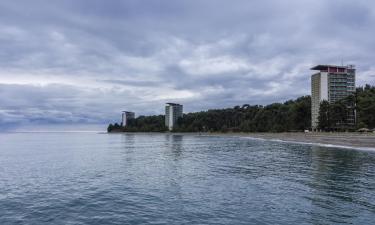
<point>338,183</point>
<point>128,139</point>
<point>180,179</point>
<point>174,142</point>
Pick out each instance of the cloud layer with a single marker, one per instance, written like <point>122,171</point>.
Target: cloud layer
<point>86,61</point>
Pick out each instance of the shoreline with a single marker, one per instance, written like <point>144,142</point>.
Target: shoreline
<point>360,141</point>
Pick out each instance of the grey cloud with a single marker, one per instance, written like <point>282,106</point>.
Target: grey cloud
<point>134,83</point>
<point>85,61</point>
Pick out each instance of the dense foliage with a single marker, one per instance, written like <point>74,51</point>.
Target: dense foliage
<point>293,115</point>
<point>277,117</point>
<point>365,103</point>
<point>333,116</point>
<point>141,124</point>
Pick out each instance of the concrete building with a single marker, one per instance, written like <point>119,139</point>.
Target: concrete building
<point>126,116</point>
<point>173,111</point>
<point>331,83</point>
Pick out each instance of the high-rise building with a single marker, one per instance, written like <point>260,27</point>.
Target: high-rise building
<point>173,111</point>
<point>331,83</point>
<point>126,116</point>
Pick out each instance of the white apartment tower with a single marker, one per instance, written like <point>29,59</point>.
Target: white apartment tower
<point>331,83</point>
<point>173,111</point>
<point>126,116</point>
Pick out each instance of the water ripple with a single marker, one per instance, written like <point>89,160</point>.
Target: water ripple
<point>180,179</point>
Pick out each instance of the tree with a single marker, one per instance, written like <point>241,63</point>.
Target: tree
<point>291,115</point>
<point>324,116</point>
<point>110,127</point>
<point>365,106</point>
<point>339,114</point>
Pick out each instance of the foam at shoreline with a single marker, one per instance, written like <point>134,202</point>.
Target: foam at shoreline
<point>298,142</point>
<point>313,143</point>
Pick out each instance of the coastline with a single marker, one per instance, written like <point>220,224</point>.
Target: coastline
<point>365,141</point>
<point>350,140</point>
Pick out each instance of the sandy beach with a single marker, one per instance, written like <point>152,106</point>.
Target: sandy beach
<point>355,140</point>
<point>345,140</point>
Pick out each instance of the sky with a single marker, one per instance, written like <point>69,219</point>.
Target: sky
<point>65,62</point>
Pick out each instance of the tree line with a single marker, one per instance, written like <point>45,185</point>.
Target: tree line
<point>141,124</point>
<point>292,115</point>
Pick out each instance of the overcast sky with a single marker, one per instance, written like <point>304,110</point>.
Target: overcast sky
<point>84,61</point>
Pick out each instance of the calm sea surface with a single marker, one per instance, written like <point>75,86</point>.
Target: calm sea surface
<point>89,178</point>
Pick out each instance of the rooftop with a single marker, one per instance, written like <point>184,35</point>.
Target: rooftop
<point>170,103</point>
<point>325,67</point>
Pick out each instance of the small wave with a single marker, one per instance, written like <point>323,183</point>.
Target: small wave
<point>314,143</point>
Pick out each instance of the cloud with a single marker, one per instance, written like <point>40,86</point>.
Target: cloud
<point>65,62</point>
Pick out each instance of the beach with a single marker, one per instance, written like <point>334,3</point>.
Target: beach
<point>334,139</point>
<point>355,140</point>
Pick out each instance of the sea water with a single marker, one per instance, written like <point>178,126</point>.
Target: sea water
<point>99,178</point>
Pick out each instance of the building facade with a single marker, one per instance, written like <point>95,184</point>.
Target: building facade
<point>331,83</point>
<point>126,116</point>
<point>173,111</point>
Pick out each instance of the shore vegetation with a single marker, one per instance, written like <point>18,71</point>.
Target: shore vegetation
<point>292,115</point>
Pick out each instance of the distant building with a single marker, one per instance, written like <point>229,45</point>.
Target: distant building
<point>126,116</point>
<point>331,83</point>
<point>173,111</point>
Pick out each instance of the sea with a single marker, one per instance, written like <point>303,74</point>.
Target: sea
<point>158,178</point>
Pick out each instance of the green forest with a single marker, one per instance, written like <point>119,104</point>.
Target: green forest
<point>333,116</point>
<point>292,115</point>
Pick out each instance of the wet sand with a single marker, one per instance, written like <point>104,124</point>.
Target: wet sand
<point>356,140</point>
<point>346,140</point>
